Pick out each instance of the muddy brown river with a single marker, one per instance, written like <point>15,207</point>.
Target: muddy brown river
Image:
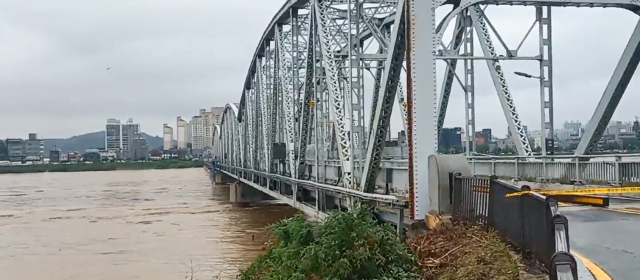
<point>154,224</point>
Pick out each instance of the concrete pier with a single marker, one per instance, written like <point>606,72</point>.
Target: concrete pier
<point>222,179</point>
<point>238,191</point>
<point>243,193</point>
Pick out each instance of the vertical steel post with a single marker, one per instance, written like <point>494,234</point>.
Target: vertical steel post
<point>546,79</point>
<point>422,101</point>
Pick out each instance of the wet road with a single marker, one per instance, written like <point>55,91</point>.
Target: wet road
<point>155,224</point>
<point>608,238</point>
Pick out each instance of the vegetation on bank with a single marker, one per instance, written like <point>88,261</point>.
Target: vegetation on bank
<point>351,245</point>
<point>107,166</point>
<point>348,245</point>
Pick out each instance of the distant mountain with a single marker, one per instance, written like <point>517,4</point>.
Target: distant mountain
<point>93,140</point>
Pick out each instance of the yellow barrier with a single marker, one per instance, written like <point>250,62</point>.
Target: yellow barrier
<point>481,189</point>
<point>583,200</point>
<point>592,191</point>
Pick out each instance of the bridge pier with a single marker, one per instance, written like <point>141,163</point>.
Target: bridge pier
<point>222,179</point>
<point>242,193</point>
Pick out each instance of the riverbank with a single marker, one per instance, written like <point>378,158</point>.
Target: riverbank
<point>351,245</point>
<point>109,166</point>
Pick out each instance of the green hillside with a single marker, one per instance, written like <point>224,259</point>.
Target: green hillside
<point>93,140</point>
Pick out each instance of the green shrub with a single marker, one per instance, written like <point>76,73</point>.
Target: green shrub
<point>347,246</point>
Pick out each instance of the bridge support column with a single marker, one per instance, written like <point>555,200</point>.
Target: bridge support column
<point>422,102</point>
<point>243,193</point>
<point>222,179</point>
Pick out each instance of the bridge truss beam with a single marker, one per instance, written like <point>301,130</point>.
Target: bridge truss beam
<point>303,100</point>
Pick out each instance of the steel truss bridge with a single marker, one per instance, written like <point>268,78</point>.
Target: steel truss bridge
<point>302,123</point>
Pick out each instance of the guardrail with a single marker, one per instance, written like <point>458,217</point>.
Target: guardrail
<point>611,168</point>
<point>600,168</point>
<point>531,222</point>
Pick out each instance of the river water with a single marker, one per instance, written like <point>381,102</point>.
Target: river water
<point>154,224</point>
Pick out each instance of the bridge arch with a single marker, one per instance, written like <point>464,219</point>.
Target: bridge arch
<point>304,88</point>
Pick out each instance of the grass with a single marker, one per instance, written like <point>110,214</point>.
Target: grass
<point>110,166</point>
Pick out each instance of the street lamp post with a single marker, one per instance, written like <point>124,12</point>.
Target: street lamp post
<point>548,138</point>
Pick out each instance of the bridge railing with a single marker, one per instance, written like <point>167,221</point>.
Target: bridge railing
<point>613,169</point>
<point>531,222</point>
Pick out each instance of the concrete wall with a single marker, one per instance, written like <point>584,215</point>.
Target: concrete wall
<point>439,187</point>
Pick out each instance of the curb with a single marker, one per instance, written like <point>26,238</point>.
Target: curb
<point>597,272</point>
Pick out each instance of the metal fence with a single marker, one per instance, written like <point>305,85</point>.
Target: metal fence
<point>531,222</point>
<point>614,169</point>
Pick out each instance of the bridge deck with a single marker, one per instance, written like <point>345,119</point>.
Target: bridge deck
<point>607,237</point>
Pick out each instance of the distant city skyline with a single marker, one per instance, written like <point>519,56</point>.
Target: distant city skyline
<point>499,132</point>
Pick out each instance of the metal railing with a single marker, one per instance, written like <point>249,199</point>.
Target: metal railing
<point>601,168</point>
<point>339,190</point>
<point>594,168</point>
<point>531,222</point>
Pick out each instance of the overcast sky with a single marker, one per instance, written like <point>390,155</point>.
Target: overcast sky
<point>171,58</point>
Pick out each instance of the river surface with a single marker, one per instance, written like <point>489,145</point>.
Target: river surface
<point>152,224</point>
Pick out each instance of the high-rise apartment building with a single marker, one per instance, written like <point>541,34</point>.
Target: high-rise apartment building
<point>450,138</point>
<point>181,133</point>
<point>202,127</point>
<point>130,133</point>
<point>573,127</point>
<point>189,133</point>
<point>113,136</point>
<point>167,136</point>
<point>119,137</point>
<point>198,133</point>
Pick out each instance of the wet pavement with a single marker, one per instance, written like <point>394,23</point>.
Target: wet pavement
<point>609,238</point>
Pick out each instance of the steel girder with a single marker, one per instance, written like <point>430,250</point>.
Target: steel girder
<point>306,110</point>
<point>384,104</point>
<point>516,128</point>
<point>612,94</point>
<point>450,72</point>
<point>264,114</point>
<point>286,83</point>
<point>422,102</point>
<point>339,106</point>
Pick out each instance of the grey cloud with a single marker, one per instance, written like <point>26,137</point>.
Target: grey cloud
<point>171,58</point>
<point>167,58</point>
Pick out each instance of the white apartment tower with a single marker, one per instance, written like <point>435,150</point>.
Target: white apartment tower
<point>181,133</point>
<point>198,133</point>
<point>189,133</point>
<point>113,136</point>
<point>202,127</point>
<point>167,133</point>
<point>119,136</point>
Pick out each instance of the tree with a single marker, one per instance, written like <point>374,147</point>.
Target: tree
<point>509,150</point>
<point>631,144</point>
<point>611,146</point>
<point>538,149</point>
<point>483,149</point>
